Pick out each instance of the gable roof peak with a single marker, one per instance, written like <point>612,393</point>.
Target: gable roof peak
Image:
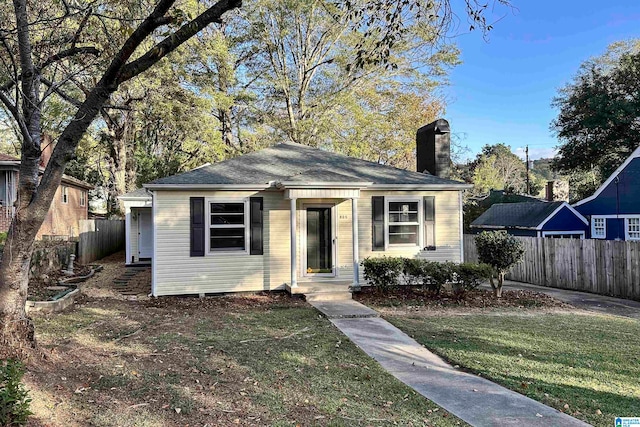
<point>634,155</point>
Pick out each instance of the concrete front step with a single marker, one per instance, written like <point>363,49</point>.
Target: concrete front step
<point>328,296</point>
<point>345,309</point>
<point>317,287</point>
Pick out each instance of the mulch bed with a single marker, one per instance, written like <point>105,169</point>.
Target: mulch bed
<point>261,300</point>
<point>416,296</point>
<point>38,285</point>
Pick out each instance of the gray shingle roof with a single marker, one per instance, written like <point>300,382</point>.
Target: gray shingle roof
<point>138,193</point>
<point>282,162</point>
<point>516,215</point>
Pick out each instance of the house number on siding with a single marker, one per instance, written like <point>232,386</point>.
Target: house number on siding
<point>344,217</point>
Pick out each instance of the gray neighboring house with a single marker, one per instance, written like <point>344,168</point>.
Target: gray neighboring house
<point>290,215</point>
<point>533,219</point>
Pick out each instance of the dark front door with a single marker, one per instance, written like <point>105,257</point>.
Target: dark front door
<point>319,253</point>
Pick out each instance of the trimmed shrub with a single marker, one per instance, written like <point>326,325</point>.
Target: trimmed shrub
<point>383,273</point>
<point>501,251</point>
<point>14,399</point>
<point>431,275</point>
<point>414,271</point>
<point>438,274</point>
<point>468,276</point>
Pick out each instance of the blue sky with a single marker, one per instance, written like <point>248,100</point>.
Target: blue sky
<point>503,89</point>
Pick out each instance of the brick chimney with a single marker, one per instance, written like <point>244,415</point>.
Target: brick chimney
<point>557,190</point>
<point>46,147</point>
<point>433,149</point>
<point>549,192</point>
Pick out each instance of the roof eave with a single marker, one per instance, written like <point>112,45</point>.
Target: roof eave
<point>425,186</point>
<point>503,227</point>
<point>15,163</point>
<point>124,198</point>
<point>170,187</point>
<point>81,184</point>
<point>306,185</point>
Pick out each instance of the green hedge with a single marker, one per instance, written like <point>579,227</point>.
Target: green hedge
<point>383,273</point>
<point>388,272</point>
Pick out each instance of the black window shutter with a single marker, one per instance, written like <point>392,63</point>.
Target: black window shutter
<point>256,224</point>
<point>429,203</point>
<point>377,216</point>
<point>197,226</point>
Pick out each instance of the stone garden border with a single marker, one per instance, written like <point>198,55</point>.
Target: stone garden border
<point>64,302</point>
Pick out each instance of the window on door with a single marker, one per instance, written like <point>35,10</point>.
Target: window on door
<point>403,222</point>
<point>228,229</point>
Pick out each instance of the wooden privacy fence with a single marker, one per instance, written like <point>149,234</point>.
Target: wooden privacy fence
<point>99,238</point>
<point>603,267</point>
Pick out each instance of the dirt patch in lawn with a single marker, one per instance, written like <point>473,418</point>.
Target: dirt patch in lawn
<point>410,298</point>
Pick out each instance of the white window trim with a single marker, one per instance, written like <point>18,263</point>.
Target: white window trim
<point>247,229</point>
<point>593,227</point>
<point>64,192</point>
<point>559,233</point>
<point>83,198</point>
<point>626,228</point>
<point>388,245</point>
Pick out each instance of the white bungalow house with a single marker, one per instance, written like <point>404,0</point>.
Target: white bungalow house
<point>288,216</point>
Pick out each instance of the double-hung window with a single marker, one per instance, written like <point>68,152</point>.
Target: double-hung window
<point>83,198</point>
<point>228,225</point>
<point>633,228</point>
<point>65,194</point>
<point>598,228</point>
<point>403,221</point>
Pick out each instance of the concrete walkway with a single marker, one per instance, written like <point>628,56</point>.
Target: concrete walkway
<point>583,300</point>
<point>475,400</point>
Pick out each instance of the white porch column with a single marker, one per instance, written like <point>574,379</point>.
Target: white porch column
<point>354,237</point>
<point>294,256</point>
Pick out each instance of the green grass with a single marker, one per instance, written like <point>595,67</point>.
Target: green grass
<point>275,363</point>
<point>590,362</point>
<point>299,360</point>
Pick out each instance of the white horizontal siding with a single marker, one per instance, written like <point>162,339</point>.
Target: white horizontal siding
<point>178,273</point>
<point>447,219</point>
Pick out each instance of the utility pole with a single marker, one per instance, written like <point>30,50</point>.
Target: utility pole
<point>526,153</point>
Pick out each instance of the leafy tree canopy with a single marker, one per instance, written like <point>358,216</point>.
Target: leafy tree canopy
<point>598,123</point>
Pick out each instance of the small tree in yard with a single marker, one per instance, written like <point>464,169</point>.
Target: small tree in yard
<point>501,251</point>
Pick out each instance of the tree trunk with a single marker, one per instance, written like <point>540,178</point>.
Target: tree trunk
<point>122,167</point>
<point>498,290</point>
<point>117,171</point>
<point>17,339</point>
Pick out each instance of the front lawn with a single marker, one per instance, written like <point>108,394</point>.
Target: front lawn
<point>587,365</point>
<point>260,360</point>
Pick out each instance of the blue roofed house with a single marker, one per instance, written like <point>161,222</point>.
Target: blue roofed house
<point>533,219</point>
<point>614,209</point>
